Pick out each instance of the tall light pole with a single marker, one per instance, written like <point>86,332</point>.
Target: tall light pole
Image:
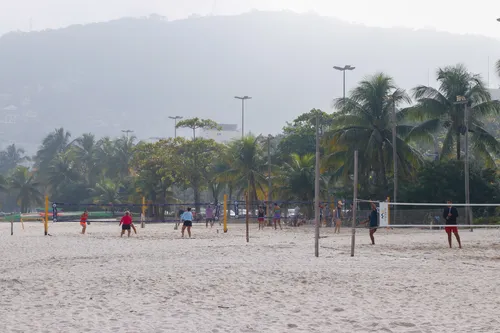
<point>343,69</point>
<point>127,132</point>
<point>394,154</point>
<point>461,100</point>
<point>243,99</point>
<point>175,124</point>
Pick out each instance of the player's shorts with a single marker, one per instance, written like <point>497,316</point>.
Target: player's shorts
<point>188,223</point>
<point>260,219</point>
<point>126,226</point>
<point>451,229</point>
<point>83,223</point>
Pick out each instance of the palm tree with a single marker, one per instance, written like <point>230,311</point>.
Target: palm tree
<point>247,164</point>
<point>438,110</point>
<point>297,178</point>
<point>364,124</point>
<point>11,157</point>
<point>26,188</point>
<point>109,192</point>
<point>87,150</point>
<point>53,144</point>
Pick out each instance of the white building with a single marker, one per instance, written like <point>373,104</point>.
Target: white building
<point>227,133</point>
<point>495,94</point>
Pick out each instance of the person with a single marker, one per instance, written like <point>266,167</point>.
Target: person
<point>338,217</point>
<point>83,221</point>
<point>450,213</point>
<point>296,215</point>
<point>260,217</point>
<point>187,221</point>
<point>373,219</point>
<point>277,216</point>
<point>181,211</point>
<point>126,223</point>
<point>209,212</point>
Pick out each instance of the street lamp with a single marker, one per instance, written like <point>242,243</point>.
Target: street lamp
<point>343,69</point>
<point>269,191</point>
<point>175,124</point>
<point>127,132</point>
<point>243,99</point>
<point>461,100</point>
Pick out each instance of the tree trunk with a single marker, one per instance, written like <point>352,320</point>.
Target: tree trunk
<point>383,170</point>
<point>458,146</point>
<point>196,191</point>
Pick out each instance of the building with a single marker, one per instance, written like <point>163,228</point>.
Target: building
<point>495,94</point>
<point>225,133</point>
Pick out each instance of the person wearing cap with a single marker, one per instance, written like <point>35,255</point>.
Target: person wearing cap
<point>126,223</point>
<point>338,217</point>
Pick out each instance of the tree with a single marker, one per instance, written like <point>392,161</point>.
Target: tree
<point>195,123</point>
<point>498,67</point>
<point>87,150</point>
<point>300,136</point>
<point>247,162</point>
<point>297,178</point>
<point>11,157</point>
<point>364,124</point>
<point>195,159</point>
<point>54,143</point>
<point>437,110</point>
<point>108,191</point>
<point>25,187</point>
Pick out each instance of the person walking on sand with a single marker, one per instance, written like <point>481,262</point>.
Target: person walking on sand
<point>126,223</point>
<point>187,221</point>
<point>209,216</point>
<point>277,216</point>
<point>260,217</point>
<point>373,219</point>
<point>338,217</point>
<point>83,221</point>
<point>450,213</point>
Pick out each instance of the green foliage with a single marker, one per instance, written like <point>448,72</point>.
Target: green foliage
<point>195,123</point>
<point>437,110</point>
<point>26,189</point>
<point>299,137</point>
<point>441,181</point>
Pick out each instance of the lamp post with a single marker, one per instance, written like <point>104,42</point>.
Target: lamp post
<point>316,192</point>
<point>394,153</point>
<point>243,99</point>
<point>461,100</point>
<point>175,124</point>
<point>127,132</point>
<point>343,69</point>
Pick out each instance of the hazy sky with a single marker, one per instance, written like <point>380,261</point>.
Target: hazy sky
<point>459,16</point>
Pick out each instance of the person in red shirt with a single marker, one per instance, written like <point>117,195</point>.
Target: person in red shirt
<point>83,221</point>
<point>126,223</point>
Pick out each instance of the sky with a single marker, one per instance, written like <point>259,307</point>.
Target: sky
<point>458,16</point>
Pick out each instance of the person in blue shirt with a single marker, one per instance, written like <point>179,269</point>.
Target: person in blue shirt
<point>187,221</point>
<point>373,219</point>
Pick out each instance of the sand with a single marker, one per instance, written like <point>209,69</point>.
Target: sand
<point>156,282</point>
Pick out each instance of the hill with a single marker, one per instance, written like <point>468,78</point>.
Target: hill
<point>134,73</point>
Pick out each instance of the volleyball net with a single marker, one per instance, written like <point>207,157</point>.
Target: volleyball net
<point>430,215</point>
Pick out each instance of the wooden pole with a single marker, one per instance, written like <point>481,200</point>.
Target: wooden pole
<point>316,192</point>
<point>46,220</point>
<point>354,203</point>
<point>12,225</point>
<point>225,212</point>
<point>143,213</point>
<point>247,216</point>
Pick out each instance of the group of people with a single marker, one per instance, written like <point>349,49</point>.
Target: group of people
<point>125,222</point>
<point>450,214</point>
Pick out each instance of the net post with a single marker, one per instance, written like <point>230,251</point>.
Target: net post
<point>12,225</point>
<point>389,213</point>
<point>247,217</point>
<point>225,213</point>
<point>46,219</point>
<point>143,213</point>
<point>354,203</point>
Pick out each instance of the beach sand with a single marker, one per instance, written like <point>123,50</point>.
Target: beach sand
<point>157,282</point>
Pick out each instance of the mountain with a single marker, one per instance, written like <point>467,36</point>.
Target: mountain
<point>134,73</point>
